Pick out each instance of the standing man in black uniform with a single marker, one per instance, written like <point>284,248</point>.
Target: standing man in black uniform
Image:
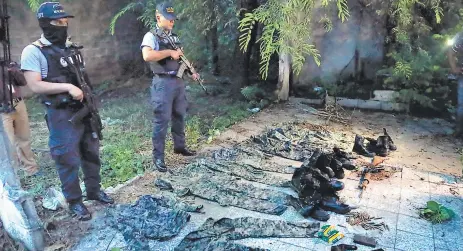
<point>71,145</point>
<point>167,91</point>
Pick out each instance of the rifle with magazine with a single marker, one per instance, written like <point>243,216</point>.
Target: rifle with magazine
<point>89,109</point>
<point>185,63</point>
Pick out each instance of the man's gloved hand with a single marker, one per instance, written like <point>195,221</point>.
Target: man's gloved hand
<point>343,247</point>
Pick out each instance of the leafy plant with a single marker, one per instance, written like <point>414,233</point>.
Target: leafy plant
<point>286,30</point>
<point>436,213</point>
<point>252,92</point>
<point>417,59</point>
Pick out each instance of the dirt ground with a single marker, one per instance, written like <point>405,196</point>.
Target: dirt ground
<point>424,144</point>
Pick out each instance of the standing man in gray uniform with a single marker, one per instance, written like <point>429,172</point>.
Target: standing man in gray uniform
<point>167,91</point>
<point>71,145</point>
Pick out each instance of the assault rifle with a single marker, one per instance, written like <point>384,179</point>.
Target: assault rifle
<point>185,63</point>
<point>6,92</point>
<point>76,62</point>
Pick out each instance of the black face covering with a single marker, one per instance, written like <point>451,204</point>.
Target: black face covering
<point>57,35</point>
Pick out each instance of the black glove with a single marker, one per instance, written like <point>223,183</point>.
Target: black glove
<point>343,247</point>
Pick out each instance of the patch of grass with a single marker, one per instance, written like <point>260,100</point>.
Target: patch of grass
<point>126,148</point>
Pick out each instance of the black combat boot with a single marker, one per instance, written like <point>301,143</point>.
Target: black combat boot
<point>79,210</point>
<point>320,214</point>
<point>347,164</point>
<point>382,148</point>
<point>160,165</point>
<point>101,197</point>
<point>336,185</point>
<point>338,153</point>
<point>340,174</point>
<point>332,204</point>
<point>185,152</point>
<point>390,143</point>
<point>360,148</point>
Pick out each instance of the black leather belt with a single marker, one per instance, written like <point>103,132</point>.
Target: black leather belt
<point>166,74</point>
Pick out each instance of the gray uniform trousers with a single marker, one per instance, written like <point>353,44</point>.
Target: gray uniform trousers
<point>169,102</point>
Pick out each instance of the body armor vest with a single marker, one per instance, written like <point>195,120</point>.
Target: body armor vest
<point>168,64</point>
<point>58,70</point>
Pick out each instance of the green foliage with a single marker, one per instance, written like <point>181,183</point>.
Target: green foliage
<point>418,64</point>
<point>34,4</point>
<point>196,19</point>
<point>436,213</point>
<point>231,115</point>
<point>252,92</point>
<point>286,30</point>
<point>121,161</point>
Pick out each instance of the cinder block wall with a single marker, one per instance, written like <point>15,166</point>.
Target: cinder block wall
<point>105,55</point>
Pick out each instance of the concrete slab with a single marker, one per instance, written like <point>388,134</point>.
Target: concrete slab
<point>416,225</point>
<point>448,244</point>
<point>272,244</point>
<point>411,201</point>
<point>413,242</point>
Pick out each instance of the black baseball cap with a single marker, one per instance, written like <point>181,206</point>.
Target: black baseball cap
<point>52,10</point>
<point>167,10</point>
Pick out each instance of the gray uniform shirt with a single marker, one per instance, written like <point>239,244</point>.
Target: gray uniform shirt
<point>151,41</point>
<point>32,59</point>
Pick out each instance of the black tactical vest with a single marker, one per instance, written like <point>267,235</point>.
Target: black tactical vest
<point>58,70</point>
<point>167,64</point>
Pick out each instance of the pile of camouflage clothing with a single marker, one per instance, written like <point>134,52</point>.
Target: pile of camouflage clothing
<point>381,146</point>
<point>316,184</point>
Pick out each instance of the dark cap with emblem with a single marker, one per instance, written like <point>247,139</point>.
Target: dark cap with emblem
<point>52,10</point>
<point>167,10</point>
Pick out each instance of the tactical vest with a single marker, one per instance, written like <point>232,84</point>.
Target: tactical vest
<point>58,70</point>
<point>168,64</point>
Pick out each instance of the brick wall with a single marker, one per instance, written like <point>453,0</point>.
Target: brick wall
<point>105,55</point>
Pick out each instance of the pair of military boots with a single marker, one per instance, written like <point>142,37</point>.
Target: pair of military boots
<point>381,146</point>
<point>316,185</point>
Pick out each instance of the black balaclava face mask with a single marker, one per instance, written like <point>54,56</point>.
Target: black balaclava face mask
<point>57,35</point>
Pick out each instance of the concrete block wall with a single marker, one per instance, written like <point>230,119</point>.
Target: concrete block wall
<point>105,55</point>
<point>363,31</point>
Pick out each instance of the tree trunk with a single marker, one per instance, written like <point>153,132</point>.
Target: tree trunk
<point>215,51</point>
<point>214,40</point>
<point>284,77</point>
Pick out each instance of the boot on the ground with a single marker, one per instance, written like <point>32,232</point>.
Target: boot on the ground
<point>347,164</point>
<point>79,210</point>
<point>101,197</point>
<point>341,154</point>
<point>336,185</point>
<point>160,165</point>
<point>390,143</point>
<point>332,204</point>
<point>360,148</point>
<point>382,146</point>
